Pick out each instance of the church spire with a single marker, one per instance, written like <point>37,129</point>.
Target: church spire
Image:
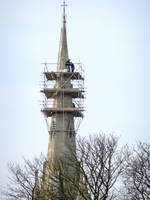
<point>63,48</point>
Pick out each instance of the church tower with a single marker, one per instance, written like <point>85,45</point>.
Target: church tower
<point>63,102</point>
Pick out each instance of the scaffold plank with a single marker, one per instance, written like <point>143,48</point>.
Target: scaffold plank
<point>51,111</point>
<point>72,75</point>
<point>52,92</point>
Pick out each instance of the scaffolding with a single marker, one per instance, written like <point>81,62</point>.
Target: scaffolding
<point>51,91</point>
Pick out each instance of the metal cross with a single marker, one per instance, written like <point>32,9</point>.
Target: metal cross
<point>64,5</point>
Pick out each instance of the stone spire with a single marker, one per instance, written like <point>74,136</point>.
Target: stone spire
<point>63,48</point>
<point>62,122</point>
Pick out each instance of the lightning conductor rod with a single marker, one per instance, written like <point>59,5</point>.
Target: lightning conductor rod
<point>64,5</point>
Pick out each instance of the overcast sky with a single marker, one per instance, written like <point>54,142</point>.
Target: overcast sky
<point>110,37</point>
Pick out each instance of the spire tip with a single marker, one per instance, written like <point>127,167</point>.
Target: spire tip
<point>64,5</point>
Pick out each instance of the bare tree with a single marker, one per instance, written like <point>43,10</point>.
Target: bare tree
<point>90,174</point>
<point>137,174</point>
<point>101,164</point>
<point>22,179</point>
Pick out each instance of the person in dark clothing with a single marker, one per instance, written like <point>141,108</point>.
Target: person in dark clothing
<point>68,64</point>
<point>72,67</point>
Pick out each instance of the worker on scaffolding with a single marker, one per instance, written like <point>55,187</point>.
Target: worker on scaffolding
<point>72,67</point>
<point>68,64</point>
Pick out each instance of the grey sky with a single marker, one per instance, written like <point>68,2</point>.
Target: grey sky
<point>110,37</point>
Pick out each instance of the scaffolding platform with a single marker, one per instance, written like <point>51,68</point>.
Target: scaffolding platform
<point>51,76</point>
<point>53,92</point>
<point>49,112</point>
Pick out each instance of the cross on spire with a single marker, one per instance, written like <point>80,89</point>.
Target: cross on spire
<point>64,5</point>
